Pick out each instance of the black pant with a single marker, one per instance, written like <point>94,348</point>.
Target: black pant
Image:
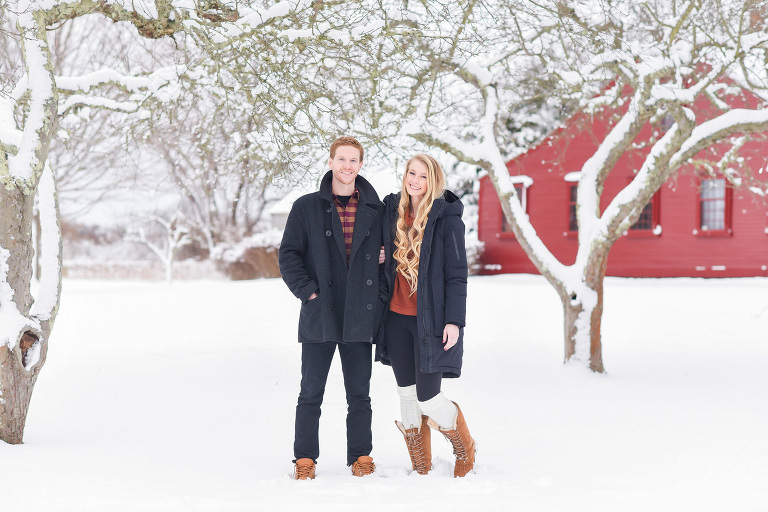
<point>401,336</point>
<point>356,366</point>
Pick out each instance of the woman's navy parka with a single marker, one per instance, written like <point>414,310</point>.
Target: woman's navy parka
<point>441,292</point>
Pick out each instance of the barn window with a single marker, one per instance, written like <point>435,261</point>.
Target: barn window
<point>522,193</point>
<point>714,207</point>
<point>649,222</point>
<point>645,221</point>
<point>573,224</point>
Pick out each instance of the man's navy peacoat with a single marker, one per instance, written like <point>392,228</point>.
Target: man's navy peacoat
<point>313,258</point>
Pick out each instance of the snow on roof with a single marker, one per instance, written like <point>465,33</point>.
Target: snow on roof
<point>573,176</point>
<point>526,181</point>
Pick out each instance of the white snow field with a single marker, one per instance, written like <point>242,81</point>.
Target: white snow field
<point>181,398</point>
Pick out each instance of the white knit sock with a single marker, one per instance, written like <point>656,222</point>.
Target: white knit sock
<point>409,407</point>
<point>442,410</point>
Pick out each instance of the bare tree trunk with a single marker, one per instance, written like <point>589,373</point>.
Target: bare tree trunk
<point>17,385</point>
<point>583,317</point>
<point>16,382</point>
<point>16,213</point>
<point>571,312</point>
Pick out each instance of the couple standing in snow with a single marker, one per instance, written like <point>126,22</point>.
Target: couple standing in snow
<point>393,274</point>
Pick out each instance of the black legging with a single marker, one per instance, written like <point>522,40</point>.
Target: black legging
<point>400,335</point>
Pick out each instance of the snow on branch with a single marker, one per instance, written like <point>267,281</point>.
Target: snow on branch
<point>80,101</point>
<point>10,139</point>
<point>474,73</point>
<point>729,157</point>
<point>85,83</point>
<point>10,135</point>
<point>486,153</point>
<point>609,96</point>
<point>242,25</point>
<point>671,93</point>
<point>597,167</point>
<point>733,122</point>
<point>622,211</point>
<point>152,83</point>
<point>164,18</point>
<point>470,152</point>
<point>256,18</point>
<point>464,151</point>
<point>142,87</point>
<point>47,299</point>
<point>27,164</point>
<point>153,20</point>
<point>610,58</point>
<point>325,30</point>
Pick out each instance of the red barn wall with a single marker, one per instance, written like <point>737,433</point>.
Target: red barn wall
<point>681,249</point>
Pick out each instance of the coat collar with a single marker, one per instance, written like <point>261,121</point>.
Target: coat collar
<point>367,192</point>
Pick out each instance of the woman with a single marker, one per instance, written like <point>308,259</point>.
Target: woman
<point>422,338</point>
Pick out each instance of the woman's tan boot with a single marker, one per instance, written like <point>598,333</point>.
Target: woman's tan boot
<point>419,444</point>
<point>463,444</point>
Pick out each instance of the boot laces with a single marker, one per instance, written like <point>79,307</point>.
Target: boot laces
<point>364,468</point>
<point>303,471</point>
<point>459,448</point>
<point>416,450</point>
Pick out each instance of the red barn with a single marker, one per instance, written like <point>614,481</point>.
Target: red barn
<point>696,225</point>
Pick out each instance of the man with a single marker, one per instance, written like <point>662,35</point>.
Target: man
<point>329,258</point>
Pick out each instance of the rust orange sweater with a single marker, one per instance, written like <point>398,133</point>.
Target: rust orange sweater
<point>402,302</point>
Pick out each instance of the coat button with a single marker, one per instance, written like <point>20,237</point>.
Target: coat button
<point>328,210</point>
<point>369,307</point>
<point>367,256</point>
<point>369,282</point>
<point>367,233</point>
<point>328,233</point>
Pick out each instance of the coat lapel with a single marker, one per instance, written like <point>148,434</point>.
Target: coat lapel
<point>338,232</point>
<point>363,220</point>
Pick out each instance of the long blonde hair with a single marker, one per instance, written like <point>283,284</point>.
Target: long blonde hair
<point>408,239</point>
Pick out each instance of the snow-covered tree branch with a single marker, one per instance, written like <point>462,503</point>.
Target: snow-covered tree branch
<point>613,60</point>
<point>34,98</point>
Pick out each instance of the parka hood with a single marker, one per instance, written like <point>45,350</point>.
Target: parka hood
<point>453,205</point>
<point>448,204</point>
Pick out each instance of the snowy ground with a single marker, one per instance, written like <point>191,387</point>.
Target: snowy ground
<point>181,398</point>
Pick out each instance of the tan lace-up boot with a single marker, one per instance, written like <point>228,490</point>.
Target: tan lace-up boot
<point>419,444</point>
<point>463,444</point>
<point>304,469</point>
<point>363,466</point>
